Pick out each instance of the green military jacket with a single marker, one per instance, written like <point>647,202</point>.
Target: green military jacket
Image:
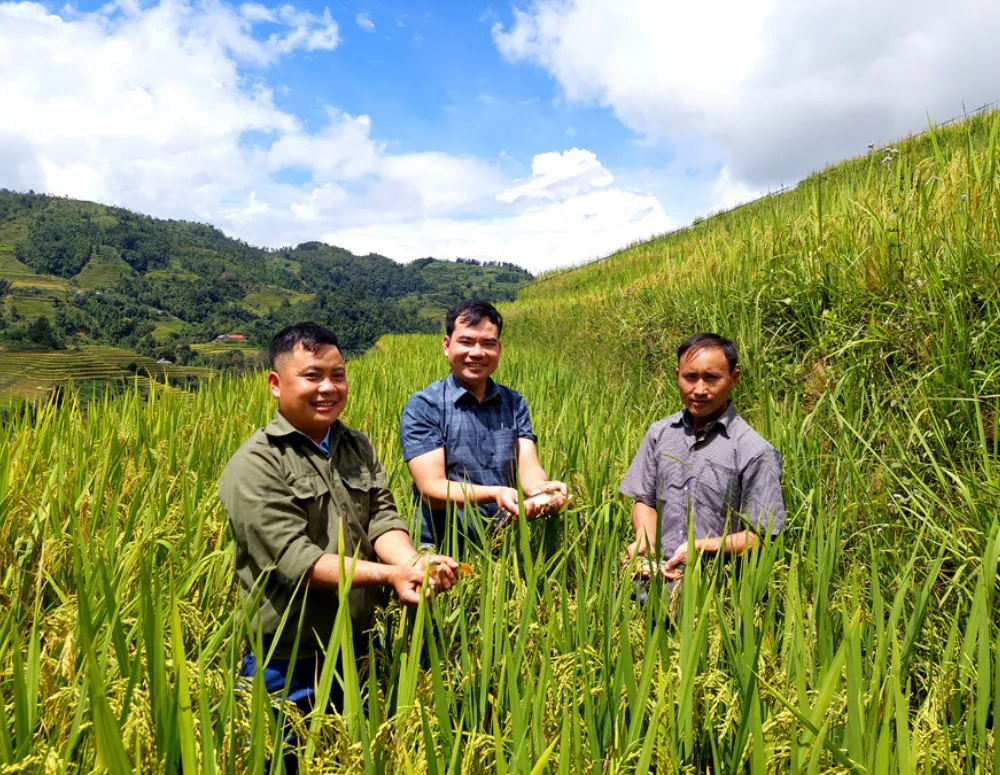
<point>286,504</point>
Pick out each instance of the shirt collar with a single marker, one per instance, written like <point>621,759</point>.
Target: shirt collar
<point>324,445</point>
<point>280,426</point>
<point>456,392</point>
<point>723,421</point>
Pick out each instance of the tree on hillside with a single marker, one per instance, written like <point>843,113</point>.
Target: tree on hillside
<point>41,332</point>
<point>58,243</point>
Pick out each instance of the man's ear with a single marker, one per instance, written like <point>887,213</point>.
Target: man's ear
<point>735,376</point>
<point>274,384</point>
<point>445,343</point>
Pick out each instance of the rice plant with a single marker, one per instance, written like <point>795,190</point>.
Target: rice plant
<point>867,307</point>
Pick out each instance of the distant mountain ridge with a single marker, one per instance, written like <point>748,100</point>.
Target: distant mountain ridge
<point>102,274</point>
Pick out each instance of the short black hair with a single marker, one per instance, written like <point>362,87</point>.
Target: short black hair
<point>471,312</point>
<point>704,342</point>
<point>312,336</point>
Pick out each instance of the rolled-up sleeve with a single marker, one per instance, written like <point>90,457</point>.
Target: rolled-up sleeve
<point>640,483</point>
<point>267,522</point>
<point>383,515</point>
<point>420,428</point>
<point>761,504</point>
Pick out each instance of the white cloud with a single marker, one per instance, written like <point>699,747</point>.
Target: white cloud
<point>560,175</point>
<point>565,213</point>
<point>553,234</point>
<point>364,21</point>
<point>774,88</point>
<point>150,108</point>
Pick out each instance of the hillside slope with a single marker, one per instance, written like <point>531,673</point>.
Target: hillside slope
<point>109,275</point>
<point>866,306</point>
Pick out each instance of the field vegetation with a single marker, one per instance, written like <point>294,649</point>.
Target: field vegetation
<point>37,375</point>
<point>866,304</point>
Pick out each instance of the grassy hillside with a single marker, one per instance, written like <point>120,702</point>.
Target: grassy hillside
<point>866,304</point>
<point>106,276</point>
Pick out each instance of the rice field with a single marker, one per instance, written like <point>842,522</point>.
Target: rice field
<point>20,275</point>
<point>34,375</point>
<point>271,298</point>
<point>866,304</point>
<point>104,269</point>
<point>32,306</point>
<point>216,349</point>
<point>165,327</point>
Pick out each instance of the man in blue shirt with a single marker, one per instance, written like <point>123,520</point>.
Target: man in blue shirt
<point>467,440</point>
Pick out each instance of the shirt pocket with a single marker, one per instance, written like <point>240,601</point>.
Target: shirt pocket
<point>673,474</point>
<point>719,489</point>
<point>358,484</point>
<point>499,454</point>
<point>312,493</point>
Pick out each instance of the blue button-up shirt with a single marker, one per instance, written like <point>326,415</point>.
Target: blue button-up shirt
<point>479,440</point>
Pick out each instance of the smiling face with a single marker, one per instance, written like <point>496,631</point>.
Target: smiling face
<point>311,388</point>
<point>473,354</point>
<point>704,381</point>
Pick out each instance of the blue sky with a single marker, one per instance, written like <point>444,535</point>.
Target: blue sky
<point>545,132</point>
<point>431,76</point>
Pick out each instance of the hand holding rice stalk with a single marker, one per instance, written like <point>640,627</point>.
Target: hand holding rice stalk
<point>434,563</point>
<point>544,503</point>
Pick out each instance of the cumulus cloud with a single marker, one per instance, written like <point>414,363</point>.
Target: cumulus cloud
<point>553,234</point>
<point>558,175</point>
<point>773,88</point>
<point>565,213</point>
<point>166,109</point>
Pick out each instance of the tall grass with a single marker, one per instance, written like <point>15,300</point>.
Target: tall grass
<point>864,639</point>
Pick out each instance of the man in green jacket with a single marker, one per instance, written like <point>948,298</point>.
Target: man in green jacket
<point>290,491</point>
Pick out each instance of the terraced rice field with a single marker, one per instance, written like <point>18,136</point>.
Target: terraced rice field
<point>21,275</point>
<point>863,640</point>
<point>214,349</point>
<point>175,271</point>
<point>265,301</point>
<point>163,329</point>
<point>30,307</point>
<point>35,375</point>
<point>104,270</point>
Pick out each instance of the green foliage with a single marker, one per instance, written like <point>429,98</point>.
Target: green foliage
<point>39,335</point>
<point>864,640</point>
<point>136,272</point>
<point>58,243</point>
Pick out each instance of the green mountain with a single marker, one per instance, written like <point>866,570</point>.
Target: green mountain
<point>104,275</point>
